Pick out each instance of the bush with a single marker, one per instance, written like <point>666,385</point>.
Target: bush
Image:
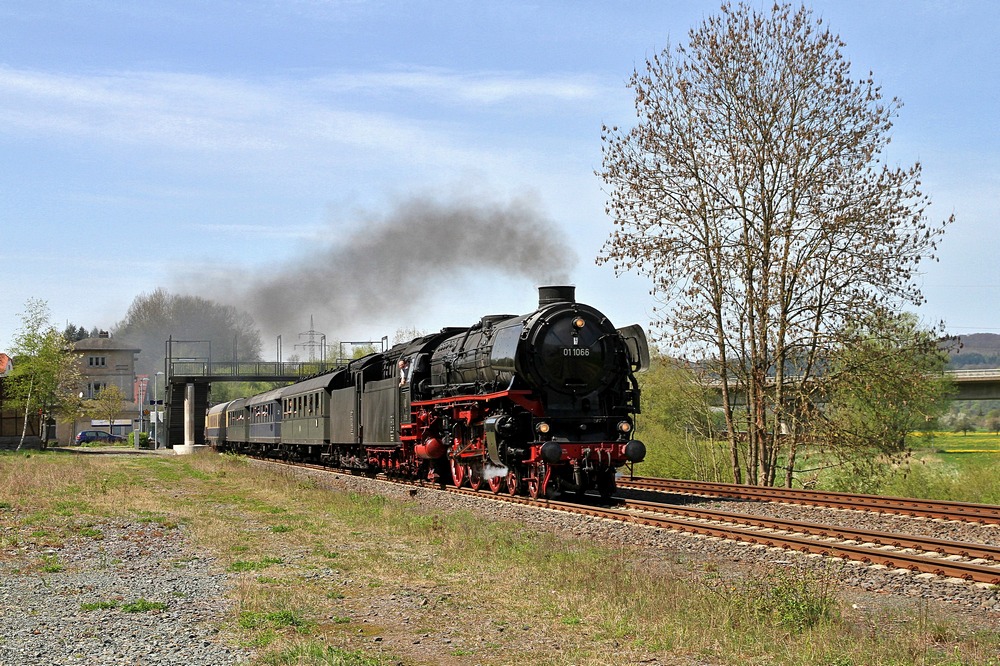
<point>143,440</point>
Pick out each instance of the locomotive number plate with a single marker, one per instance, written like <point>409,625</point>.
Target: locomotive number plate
<point>570,351</point>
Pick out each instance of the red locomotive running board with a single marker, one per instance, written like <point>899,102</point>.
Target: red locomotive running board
<point>522,398</point>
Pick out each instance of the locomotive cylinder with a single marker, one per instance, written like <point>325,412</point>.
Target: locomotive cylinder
<point>431,449</point>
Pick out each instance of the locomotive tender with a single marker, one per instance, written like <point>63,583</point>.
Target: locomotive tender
<point>539,403</point>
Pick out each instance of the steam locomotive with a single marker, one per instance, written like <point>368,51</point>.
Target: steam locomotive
<point>541,403</point>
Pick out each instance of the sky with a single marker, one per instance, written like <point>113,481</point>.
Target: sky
<point>221,147</point>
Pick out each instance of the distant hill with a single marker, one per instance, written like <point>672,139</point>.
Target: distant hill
<point>977,350</point>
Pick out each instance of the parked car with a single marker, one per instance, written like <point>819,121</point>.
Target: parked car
<point>85,436</point>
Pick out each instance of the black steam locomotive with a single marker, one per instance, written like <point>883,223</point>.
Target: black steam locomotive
<point>538,403</point>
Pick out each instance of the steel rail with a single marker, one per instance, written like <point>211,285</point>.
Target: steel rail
<point>947,510</point>
<point>969,571</point>
<point>878,538</point>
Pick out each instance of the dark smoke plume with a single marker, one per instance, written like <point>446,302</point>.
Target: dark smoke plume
<point>391,262</point>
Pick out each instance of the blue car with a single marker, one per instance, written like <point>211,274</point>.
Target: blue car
<point>86,436</point>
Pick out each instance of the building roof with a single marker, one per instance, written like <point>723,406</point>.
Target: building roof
<point>103,343</point>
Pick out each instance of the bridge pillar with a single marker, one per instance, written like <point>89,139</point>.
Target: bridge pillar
<point>188,446</point>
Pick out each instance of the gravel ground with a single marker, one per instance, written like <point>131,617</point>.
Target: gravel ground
<point>43,621</point>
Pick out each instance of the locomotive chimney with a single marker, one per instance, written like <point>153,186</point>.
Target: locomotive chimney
<point>556,294</point>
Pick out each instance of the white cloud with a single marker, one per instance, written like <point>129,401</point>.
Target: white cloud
<point>471,88</point>
<point>203,114</point>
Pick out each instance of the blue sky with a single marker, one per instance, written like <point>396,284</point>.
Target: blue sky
<point>197,146</point>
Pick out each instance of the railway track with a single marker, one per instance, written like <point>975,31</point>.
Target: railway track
<point>942,510</point>
<point>973,562</point>
<point>912,553</point>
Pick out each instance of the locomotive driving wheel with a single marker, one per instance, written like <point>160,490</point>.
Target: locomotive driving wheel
<point>475,474</point>
<point>534,486</point>
<point>514,482</point>
<point>538,483</point>
<point>496,482</point>
<point>457,473</point>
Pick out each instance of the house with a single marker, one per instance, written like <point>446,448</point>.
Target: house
<point>105,362</point>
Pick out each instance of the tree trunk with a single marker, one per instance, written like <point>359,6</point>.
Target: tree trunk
<point>27,410</point>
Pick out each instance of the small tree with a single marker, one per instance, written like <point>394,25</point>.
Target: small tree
<point>677,423</point>
<point>878,391</point>
<point>108,404</point>
<point>45,375</point>
<point>993,421</point>
<point>964,423</point>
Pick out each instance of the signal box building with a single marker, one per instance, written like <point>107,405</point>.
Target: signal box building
<point>105,362</point>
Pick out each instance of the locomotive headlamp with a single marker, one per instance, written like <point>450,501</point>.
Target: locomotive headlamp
<point>579,323</point>
<point>542,427</point>
<point>624,427</point>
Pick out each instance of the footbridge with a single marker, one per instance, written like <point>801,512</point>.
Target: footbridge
<point>187,389</point>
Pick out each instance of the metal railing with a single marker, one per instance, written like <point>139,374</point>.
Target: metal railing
<point>981,374</point>
<point>250,370</point>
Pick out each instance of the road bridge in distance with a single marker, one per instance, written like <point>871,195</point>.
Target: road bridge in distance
<point>979,384</point>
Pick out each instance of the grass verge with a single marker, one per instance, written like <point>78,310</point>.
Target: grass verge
<point>324,577</point>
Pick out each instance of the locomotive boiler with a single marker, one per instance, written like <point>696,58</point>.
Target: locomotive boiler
<point>541,403</point>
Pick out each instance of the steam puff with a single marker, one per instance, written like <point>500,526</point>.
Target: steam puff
<point>389,262</point>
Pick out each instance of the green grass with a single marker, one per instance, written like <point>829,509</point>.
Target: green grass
<point>249,565</point>
<point>273,620</point>
<point>949,466</point>
<point>318,654</point>
<point>50,564</point>
<point>142,606</point>
<point>137,606</point>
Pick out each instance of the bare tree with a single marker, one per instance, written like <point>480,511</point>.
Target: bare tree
<point>154,317</point>
<point>752,193</point>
